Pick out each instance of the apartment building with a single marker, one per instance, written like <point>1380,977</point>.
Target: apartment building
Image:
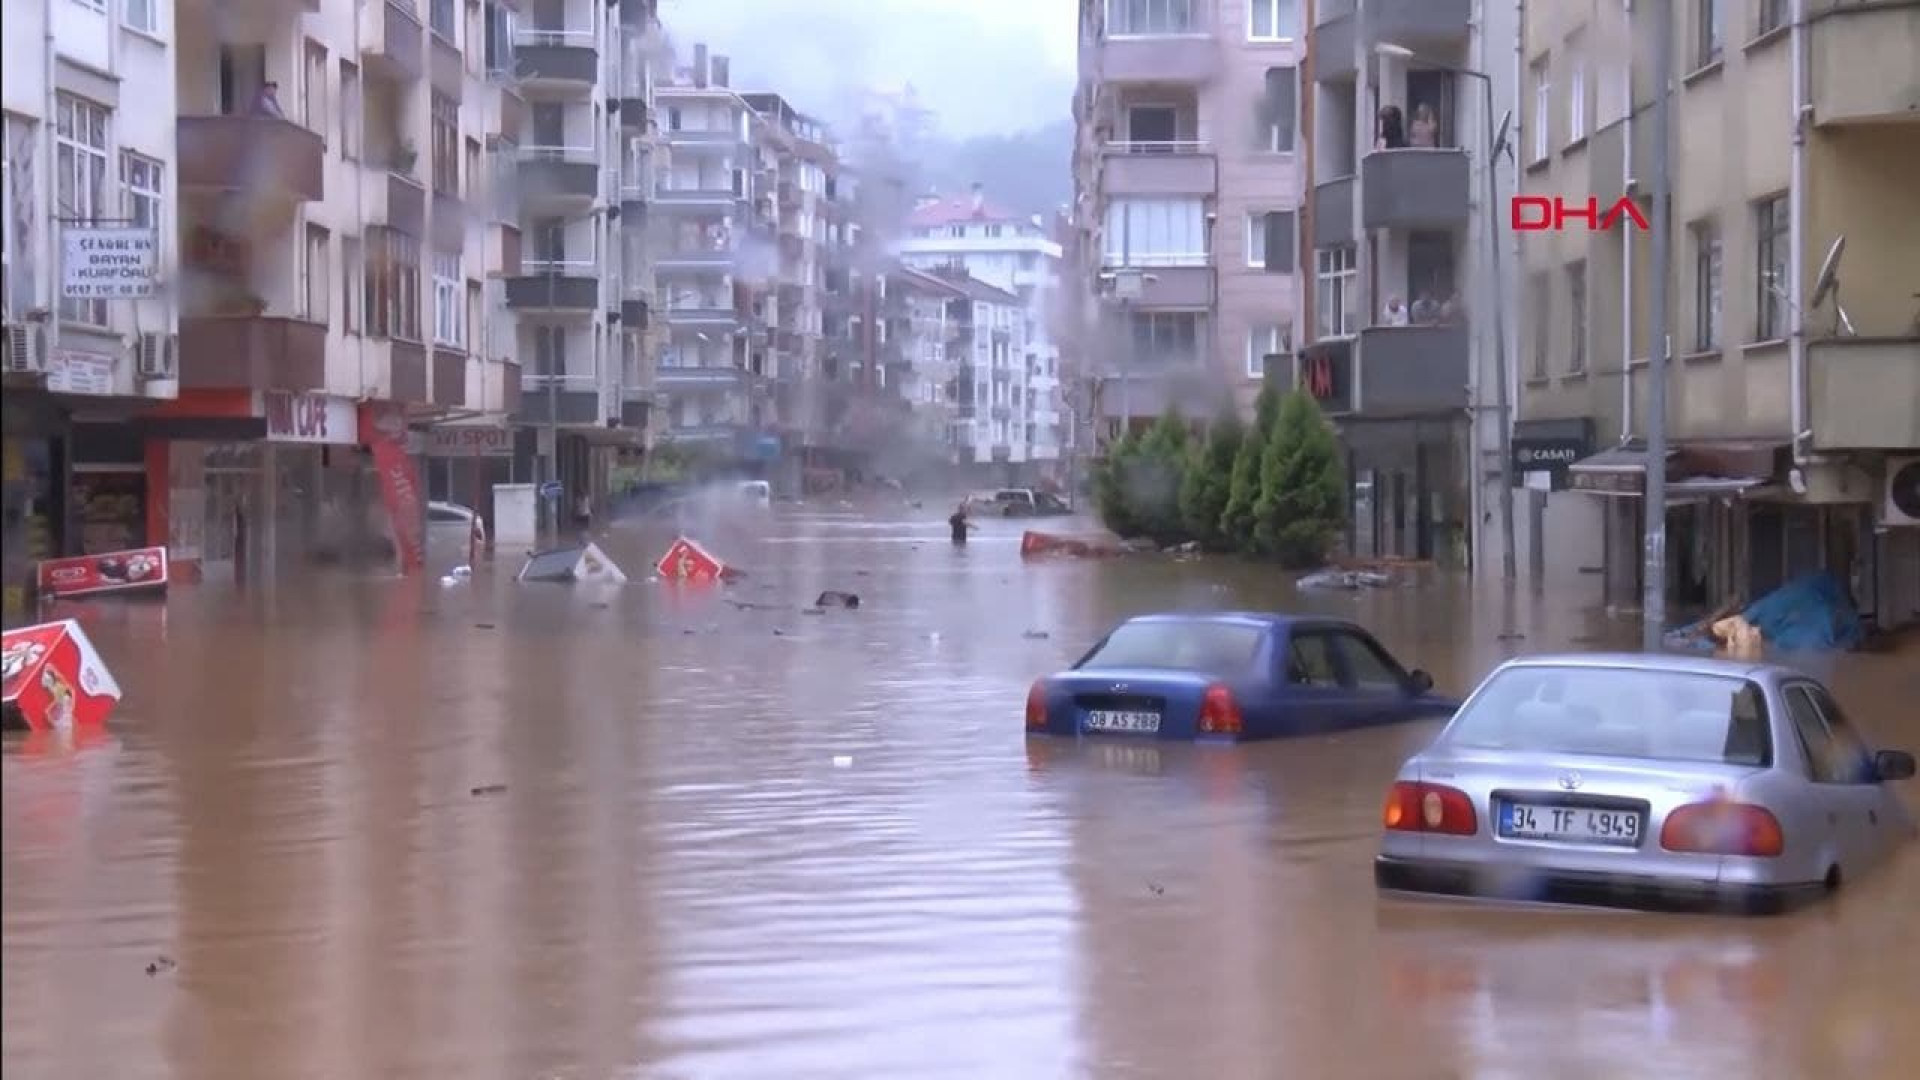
<point>1793,409</point>
<point>582,167</point>
<point>90,168</point>
<point>1187,139</point>
<point>1016,255</point>
<point>1399,221</point>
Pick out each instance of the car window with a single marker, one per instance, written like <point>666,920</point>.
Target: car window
<point>1310,661</point>
<point>437,513</point>
<point>1219,648</point>
<point>1618,712</point>
<point>1369,666</point>
<point>1836,754</point>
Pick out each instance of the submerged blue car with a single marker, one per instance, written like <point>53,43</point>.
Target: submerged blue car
<point>1228,676</point>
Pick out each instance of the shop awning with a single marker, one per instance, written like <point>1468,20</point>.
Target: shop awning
<point>1694,470</point>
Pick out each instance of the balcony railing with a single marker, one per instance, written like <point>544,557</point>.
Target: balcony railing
<point>563,267</point>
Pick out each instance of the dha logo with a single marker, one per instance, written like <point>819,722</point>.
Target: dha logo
<point>1541,213</point>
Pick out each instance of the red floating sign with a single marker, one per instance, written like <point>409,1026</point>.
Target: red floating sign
<point>686,561</point>
<point>53,679</point>
<point>112,571</point>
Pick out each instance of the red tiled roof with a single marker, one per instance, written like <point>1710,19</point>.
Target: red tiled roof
<point>955,210</point>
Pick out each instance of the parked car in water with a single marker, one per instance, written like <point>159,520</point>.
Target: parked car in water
<point>1230,676</point>
<point>1018,502</point>
<point>451,520</point>
<point>1644,780</point>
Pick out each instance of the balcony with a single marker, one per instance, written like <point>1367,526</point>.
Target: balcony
<point>1188,285</point>
<point>559,179</point>
<point>1415,188</point>
<point>696,198</point>
<point>1411,370</point>
<point>406,371</point>
<point>694,139</point>
<point>636,410</point>
<point>257,352</point>
<point>392,39</point>
<point>710,377</point>
<point>1864,393</point>
<point>1863,62</point>
<point>1187,56</point>
<point>446,67</point>
<point>555,285</point>
<point>572,400</point>
<point>714,260</point>
<point>698,313</point>
<point>1333,213</point>
<point>503,251</point>
<point>1185,167</point>
<point>556,60</point>
<point>262,155</point>
<point>1437,26</point>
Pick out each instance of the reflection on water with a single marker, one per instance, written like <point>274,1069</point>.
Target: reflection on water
<point>490,830</point>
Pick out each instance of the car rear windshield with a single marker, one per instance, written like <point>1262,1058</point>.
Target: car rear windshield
<point>1217,648</point>
<point>1619,712</point>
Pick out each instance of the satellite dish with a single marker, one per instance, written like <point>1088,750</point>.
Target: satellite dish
<point>1500,136</point>
<point>1827,284</point>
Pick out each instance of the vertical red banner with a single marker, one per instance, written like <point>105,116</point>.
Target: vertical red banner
<point>383,430</point>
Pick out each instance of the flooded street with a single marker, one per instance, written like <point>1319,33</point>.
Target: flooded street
<point>400,829</point>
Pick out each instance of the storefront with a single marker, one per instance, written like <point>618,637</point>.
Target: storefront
<point>1407,482</point>
<point>34,466</point>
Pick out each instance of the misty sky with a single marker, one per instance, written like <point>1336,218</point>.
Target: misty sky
<point>983,66</point>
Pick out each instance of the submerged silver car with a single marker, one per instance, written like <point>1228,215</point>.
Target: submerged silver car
<point>1644,780</point>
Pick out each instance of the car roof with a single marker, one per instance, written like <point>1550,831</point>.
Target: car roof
<point>1274,619</point>
<point>1676,663</point>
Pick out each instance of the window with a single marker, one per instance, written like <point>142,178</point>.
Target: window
<point>445,113</point>
<point>1577,318</point>
<point>1836,754</point>
<point>1219,648</point>
<point>80,140</point>
<point>1618,712</point>
<point>1275,126</point>
<point>476,340</point>
<point>1770,268</point>
<point>1310,661</point>
<point>1141,17</point>
<point>1706,286</point>
<point>1368,666</point>
<point>1335,291</point>
<point>143,179</point>
<point>1156,232</point>
<point>1256,240</point>
<point>316,274</point>
<point>349,110</point>
<point>350,284</point>
<point>1576,96</point>
<point>1166,337</point>
<point>550,351</point>
<point>1771,16</point>
<point>1542,308</point>
<point>141,15</point>
<point>1707,42</point>
<point>1271,339</point>
<point>313,89</point>
<point>473,170</point>
<point>449,312</point>
<point>1542,109</point>
<point>1270,20</point>
<point>392,284</point>
<point>440,19</point>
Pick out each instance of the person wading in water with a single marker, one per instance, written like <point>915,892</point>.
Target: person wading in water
<point>960,526</point>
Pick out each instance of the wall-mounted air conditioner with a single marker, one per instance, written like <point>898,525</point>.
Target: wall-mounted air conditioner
<point>26,349</point>
<point>158,356</point>
<point>1902,506</point>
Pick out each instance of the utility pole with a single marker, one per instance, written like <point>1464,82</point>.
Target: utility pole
<point>1509,571</point>
<point>1654,572</point>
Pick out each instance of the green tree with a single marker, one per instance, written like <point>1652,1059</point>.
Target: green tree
<point>1208,483</point>
<point>1302,505</point>
<point>1151,480</point>
<point>1109,485</point>
<point>1243,488</point>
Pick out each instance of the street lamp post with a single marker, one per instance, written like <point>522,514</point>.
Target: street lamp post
<point>1497,309</point>
<point>1654,573</point>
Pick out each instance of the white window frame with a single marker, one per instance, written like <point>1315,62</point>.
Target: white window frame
<point>1576,98</point>
<point>1282,15</point>
<point>1256,240</point>
<point>143,190</point>
<point>1264,339</point>
<point>1336,278</point>
<point>81,181</point>
<point>1709,286</point>
<point>1577,318</point>
<point>1195,18</point>
<point>449,302</point>
<point>1159,231</point>
<point>316,284</point>
<point>151,10</point>
<point>1542,78</point>
<point>313,87</point>
<point>352,285</point>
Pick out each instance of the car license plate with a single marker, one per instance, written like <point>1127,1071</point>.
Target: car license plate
<point>1147,723</point>
<point>1570,824</point>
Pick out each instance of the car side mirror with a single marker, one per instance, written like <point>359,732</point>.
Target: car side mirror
<point>1419,681</point>
<point>1893,765</point>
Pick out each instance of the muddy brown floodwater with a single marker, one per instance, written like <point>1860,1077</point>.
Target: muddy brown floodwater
<point>366,829</point>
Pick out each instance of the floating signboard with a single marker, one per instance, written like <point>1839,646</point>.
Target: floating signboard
<point>687,562</point>
<point>112,571</point>
<point>585,562</point>
<point>53,679</point>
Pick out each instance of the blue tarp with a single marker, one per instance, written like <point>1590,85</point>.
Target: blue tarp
<point>1808,613</point>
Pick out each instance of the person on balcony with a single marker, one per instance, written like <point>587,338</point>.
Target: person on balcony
<point>1392,134</point>
<point>267,101</point>
<point>1395,313</point>
<point>1426,310</point>
<point>1425,130</point>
